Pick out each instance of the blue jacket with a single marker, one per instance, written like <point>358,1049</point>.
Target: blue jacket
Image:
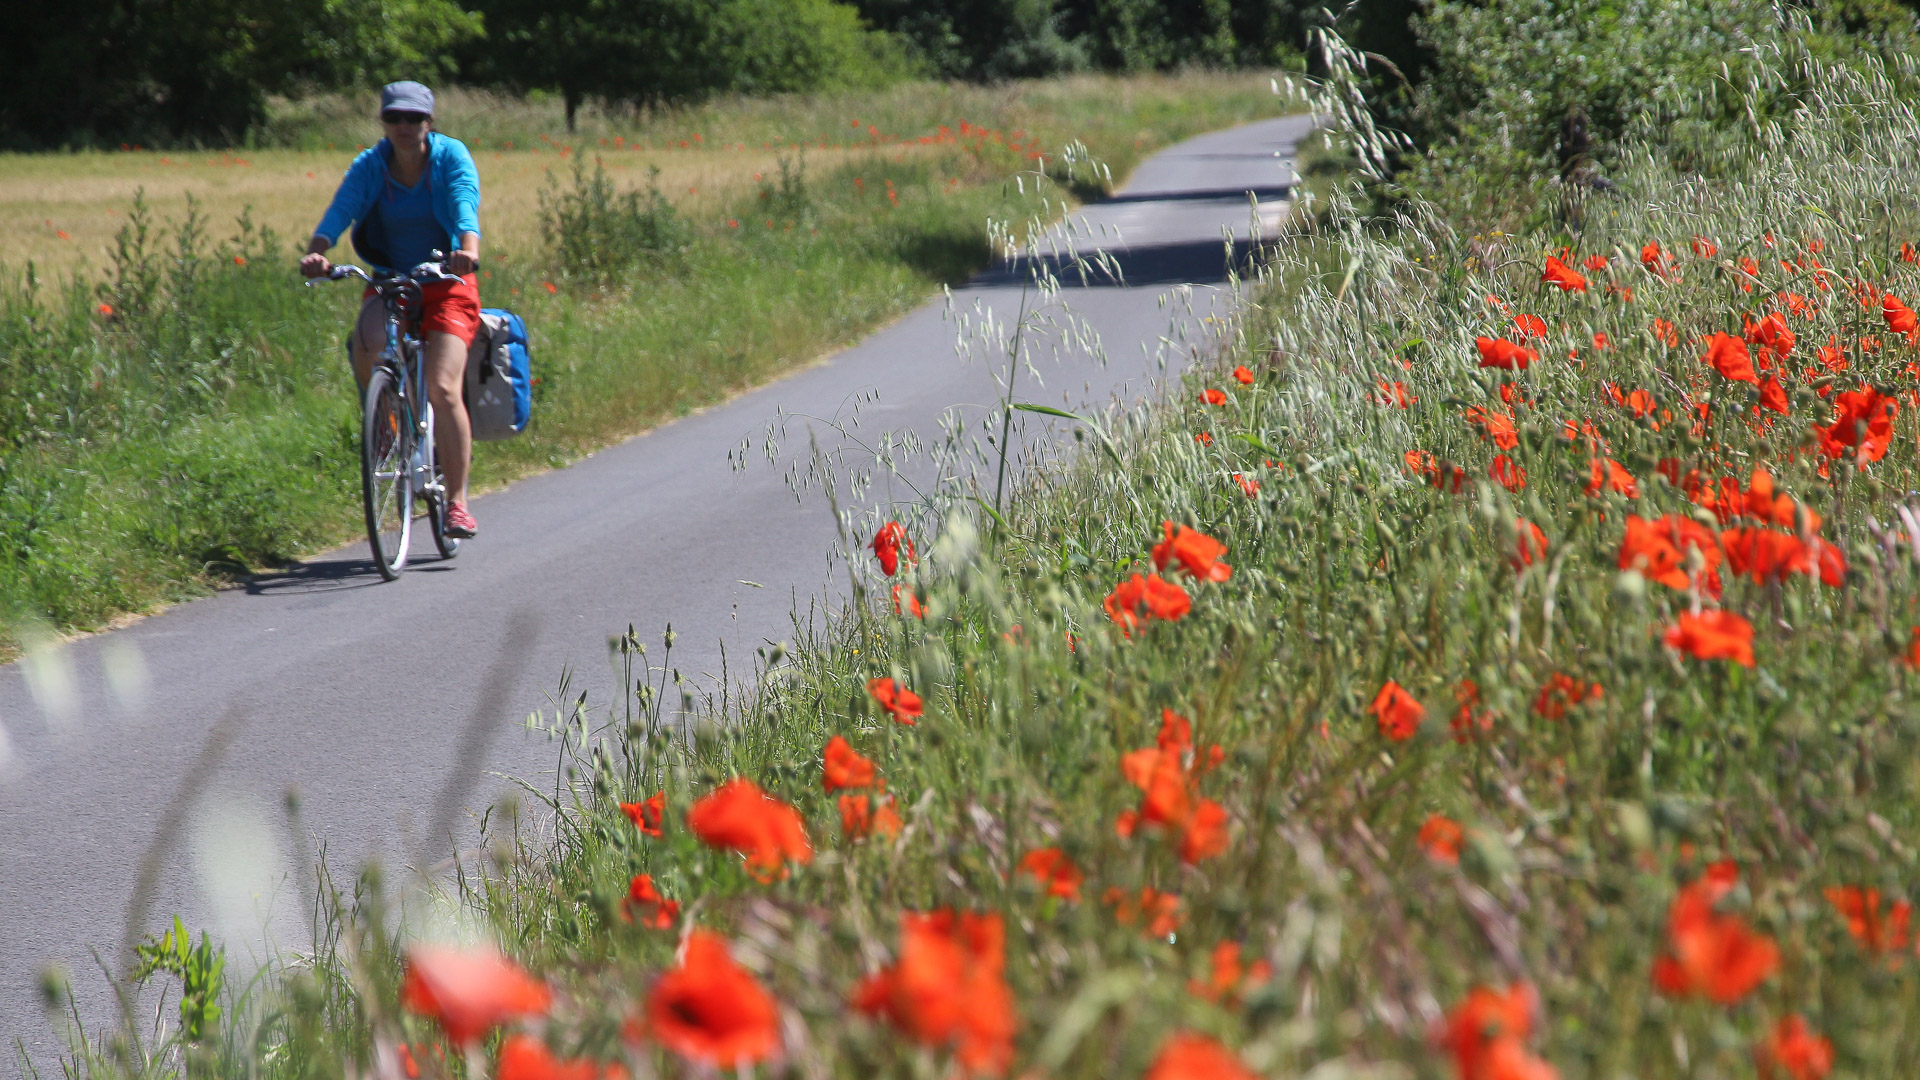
<point>456,196</point>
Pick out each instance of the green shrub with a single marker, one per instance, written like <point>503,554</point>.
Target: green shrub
<point>597,234</point>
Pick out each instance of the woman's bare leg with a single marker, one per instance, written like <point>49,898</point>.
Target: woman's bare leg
<point>446,390</point>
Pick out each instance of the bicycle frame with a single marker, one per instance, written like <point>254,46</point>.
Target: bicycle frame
<point>405,356</point>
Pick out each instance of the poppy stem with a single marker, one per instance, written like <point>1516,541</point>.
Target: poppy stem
<point>1006,406</point>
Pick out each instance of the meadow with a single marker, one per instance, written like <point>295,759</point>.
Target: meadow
<point>172,405</point>
<point>1498,663</point>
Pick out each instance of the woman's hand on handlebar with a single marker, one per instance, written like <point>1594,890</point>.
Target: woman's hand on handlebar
<point>313,265</point>
<point>461,263</point>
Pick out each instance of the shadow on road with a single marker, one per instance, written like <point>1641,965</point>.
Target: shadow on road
<point>330,576</point>
<point>1199,262</point>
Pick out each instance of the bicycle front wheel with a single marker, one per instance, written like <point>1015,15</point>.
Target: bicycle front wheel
<point>386,473</point>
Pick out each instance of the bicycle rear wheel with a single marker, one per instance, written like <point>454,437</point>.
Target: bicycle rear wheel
<point>386,473</point>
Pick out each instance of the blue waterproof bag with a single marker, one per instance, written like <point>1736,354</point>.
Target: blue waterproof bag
<point>499,377</point>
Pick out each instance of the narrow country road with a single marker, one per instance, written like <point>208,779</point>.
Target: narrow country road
<point>157,761</point>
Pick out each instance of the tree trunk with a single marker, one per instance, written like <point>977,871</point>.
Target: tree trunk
<point>572,99</point>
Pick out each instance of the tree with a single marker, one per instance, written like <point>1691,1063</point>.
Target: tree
<point>109,71</point>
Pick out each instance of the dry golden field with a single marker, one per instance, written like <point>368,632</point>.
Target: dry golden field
<point>62,210</point>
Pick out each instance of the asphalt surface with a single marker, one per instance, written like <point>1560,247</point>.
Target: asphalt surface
<point>147,772</point>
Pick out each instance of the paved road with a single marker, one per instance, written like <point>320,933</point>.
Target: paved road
<point>171,745</point>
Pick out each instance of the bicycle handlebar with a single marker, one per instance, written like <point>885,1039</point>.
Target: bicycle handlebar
<point>431,270</point>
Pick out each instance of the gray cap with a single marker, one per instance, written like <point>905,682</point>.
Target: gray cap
<point>406,97</point>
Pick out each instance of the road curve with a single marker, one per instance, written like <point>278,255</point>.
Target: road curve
<point>156,761</point>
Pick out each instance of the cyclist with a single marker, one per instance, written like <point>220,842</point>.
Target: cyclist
<point>413,193</point>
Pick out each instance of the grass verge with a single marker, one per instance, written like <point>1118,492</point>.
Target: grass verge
<point>188,417</point>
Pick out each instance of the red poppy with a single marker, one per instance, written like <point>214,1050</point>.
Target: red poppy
<point>1657,549</point>
<point>550,286</point>
<point>1466,716</point>
<point>1529,544</point>
<point>711,1011</point>
<point>1158,911</point>
<point>1610,475</point>
<point>469,991</point>
<point>1655,260</point>
<point>106,309</point>
<point>1666,333</point>
<point>1601,341</point>
<point>948,988</point>
<point>1561,692</point>
<point>1704,247</point>
<point>907,602</point>
<point>647,816</point>
<point>1504,354</point>
<point>1214,396</point>
<point>1144,598</point>
<point>1496,426</point>
<point>1899,317</point>
<point>1713,635</point>
<point>860,816</point>
<point>1795,1050</point>
<point>741,817</point>
<point>1530,326</point>
<point>655,912</point>
<point>1487,1034</point>
<point>1228,978</point>
<point>523,1057</point>
<point>1440,838</point>
<point>887,545</point>
<point>1565,277</point>
<point>1713,954</point>
<point>1862,425</point>
<point>1878,932</point>
<point>1765,555</point>
<point>901,703</point>
<point>1771,335</point>
<point>1243,375</point>
<point>1395,394</point>
<point>1504,472</point>
<point>1055,871</point>
<point>1729,356</point>
<point>1773,396</point>
<point>1396,712</point>
<point>1196,552</point>
<point>1188,1056</point>
<point>1247,484</point>
<point>845,767</point>
<point>1595,263</point>
<point>1204,832</point>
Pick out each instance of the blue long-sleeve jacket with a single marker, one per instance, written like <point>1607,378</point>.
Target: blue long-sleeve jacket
<point>456,196</point>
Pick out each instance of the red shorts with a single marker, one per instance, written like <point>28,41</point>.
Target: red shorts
<point>451,307</point>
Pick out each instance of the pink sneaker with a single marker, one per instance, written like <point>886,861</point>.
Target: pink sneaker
<point>460,524</point>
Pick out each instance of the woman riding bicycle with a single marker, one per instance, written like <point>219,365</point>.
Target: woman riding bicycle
<point>416,192</point>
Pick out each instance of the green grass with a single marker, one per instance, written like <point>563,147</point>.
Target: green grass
<point>207,428</point>
<point>1581,825</point>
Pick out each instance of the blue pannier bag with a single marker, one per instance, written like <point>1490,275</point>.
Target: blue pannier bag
<point>499,377</point>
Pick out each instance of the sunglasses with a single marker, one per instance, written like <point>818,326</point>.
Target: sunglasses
<point>404,118</point>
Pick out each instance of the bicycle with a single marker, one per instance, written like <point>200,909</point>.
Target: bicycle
<point>397,460</point>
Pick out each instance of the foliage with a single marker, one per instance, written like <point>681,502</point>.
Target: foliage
<point>598,234</point>
<point>103,72</point>
<point>1508,78</point>
<point>198,967</point>
<point>665,51</point>
<point>999,39</point>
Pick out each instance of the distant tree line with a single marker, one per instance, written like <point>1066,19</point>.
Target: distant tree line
<point>159,72</point>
